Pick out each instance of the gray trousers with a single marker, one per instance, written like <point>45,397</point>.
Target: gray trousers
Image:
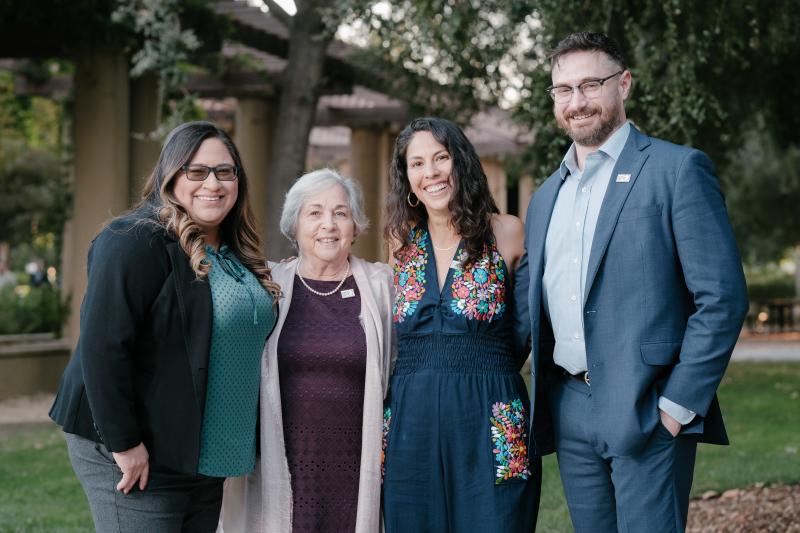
<point>605,493</point>
<point>171,503</point>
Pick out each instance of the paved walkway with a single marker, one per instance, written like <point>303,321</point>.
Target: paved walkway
<point>33,409</point>
<point>767,349</point>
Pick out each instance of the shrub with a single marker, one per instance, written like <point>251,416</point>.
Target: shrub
<point>39,310</point>
<point>768,283</point>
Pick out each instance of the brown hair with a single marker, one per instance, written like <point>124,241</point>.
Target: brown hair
<point>585,41</point>
<point>471,205</point>
<point>237,231</point>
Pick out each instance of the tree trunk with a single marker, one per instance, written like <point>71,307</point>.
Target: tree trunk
<point>4,252</point>
<point>300,89</point>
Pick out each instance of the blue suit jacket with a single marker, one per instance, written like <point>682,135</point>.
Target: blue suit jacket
<point>664,302</point>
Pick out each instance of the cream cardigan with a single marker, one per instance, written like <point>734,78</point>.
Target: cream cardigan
<point>262,501</point>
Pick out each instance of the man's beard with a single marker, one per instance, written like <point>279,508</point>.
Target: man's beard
<point>598,134</point>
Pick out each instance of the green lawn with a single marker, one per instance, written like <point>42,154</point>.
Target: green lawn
<point>38,490</point>
<point>760,401</point>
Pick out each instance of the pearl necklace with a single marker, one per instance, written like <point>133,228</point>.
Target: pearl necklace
<point>318,293</point>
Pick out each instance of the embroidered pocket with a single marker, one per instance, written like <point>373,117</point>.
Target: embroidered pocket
<point>509,441</point>
<point>387,420</point>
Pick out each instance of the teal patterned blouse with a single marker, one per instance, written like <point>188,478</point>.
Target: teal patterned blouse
<point>243,317</point>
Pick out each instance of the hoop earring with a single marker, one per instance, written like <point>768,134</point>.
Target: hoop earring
<point>408,199</point>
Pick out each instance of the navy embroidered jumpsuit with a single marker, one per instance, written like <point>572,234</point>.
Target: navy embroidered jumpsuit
<point>456,419</point>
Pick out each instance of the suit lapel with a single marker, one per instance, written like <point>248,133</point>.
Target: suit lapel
<point>630,162</point>
<point>541,221</point>
<point>194,302</point>
<point>538,223</point>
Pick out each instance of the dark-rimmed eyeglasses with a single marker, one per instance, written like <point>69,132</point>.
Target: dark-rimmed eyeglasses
<point>201,172</point>
<point>562,94</point>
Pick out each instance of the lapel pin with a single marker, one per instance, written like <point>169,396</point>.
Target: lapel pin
<point>623,178</point>
<point>348,293</point>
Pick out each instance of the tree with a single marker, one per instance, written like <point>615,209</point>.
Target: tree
<point>311,30</point>
<point>34,193</point>
<point>34,185</point>
<point>762,185</point>
<point>446,57</point>
<point>705,74</point>
<point>434,54</point>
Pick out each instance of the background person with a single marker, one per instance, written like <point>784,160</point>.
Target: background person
<point>324,374</point>
<point>159,400</point>
<point>7,278</point>
<point>456,455</point>
<point>636,298</point>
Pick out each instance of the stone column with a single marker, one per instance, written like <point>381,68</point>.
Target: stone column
<point>496,175</point>
<point>365,166</point>
<point>253,138</point>
<point>388,138</point>
<point>145,119</point>
<point>101,164</point>
<point>525,190</point>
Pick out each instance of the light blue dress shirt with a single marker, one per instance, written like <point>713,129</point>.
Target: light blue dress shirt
<point>567,248</point>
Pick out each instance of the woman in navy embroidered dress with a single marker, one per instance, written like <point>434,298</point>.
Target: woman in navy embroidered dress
<point>456,423</point>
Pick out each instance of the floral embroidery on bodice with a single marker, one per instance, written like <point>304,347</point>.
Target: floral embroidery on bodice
<point>409,275</point>
<point>476,293</point>
<point>479,293</point>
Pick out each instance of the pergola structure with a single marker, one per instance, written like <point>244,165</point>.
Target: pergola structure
<point>355,131</point>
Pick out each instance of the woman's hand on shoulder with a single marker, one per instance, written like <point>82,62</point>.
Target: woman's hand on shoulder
<point>509,234</point>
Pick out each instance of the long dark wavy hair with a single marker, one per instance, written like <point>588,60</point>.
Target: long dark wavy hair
<point>237,231</point>
<point>471,204</point>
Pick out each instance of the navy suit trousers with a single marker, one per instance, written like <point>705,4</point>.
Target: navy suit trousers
<point>647,491</point>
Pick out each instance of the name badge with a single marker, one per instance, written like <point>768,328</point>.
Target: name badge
<point>348,293</point>
<point>623,178</point>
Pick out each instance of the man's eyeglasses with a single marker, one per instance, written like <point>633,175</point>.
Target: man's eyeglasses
<point>561,94</point>
<point>201,172</point>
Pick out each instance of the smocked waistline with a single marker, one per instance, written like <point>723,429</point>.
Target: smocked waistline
<point>454,353</point>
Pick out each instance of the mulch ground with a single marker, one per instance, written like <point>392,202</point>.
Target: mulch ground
<point>756,509</point>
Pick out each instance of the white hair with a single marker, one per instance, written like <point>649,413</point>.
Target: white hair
<point>315,182</point>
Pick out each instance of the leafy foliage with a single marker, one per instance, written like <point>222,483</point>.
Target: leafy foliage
<point>762,186</point>
<point>160,48</point>
<point>41,310</point>
<point>768,282</point>
<point>698,69</point>
<point>34,184</point>
<point>34,192</point>
<point>720,76</point>
<point>445,57</point>
<point>164,43</point>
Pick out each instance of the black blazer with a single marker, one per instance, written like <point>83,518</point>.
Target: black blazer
<point>138,373</point>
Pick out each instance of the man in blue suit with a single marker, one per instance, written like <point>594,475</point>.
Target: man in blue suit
<point>633,293</point>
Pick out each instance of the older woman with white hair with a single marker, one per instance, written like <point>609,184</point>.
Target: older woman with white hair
<point>325,372</point>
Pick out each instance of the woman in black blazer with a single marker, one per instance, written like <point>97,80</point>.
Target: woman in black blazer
<point>159,401</point>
